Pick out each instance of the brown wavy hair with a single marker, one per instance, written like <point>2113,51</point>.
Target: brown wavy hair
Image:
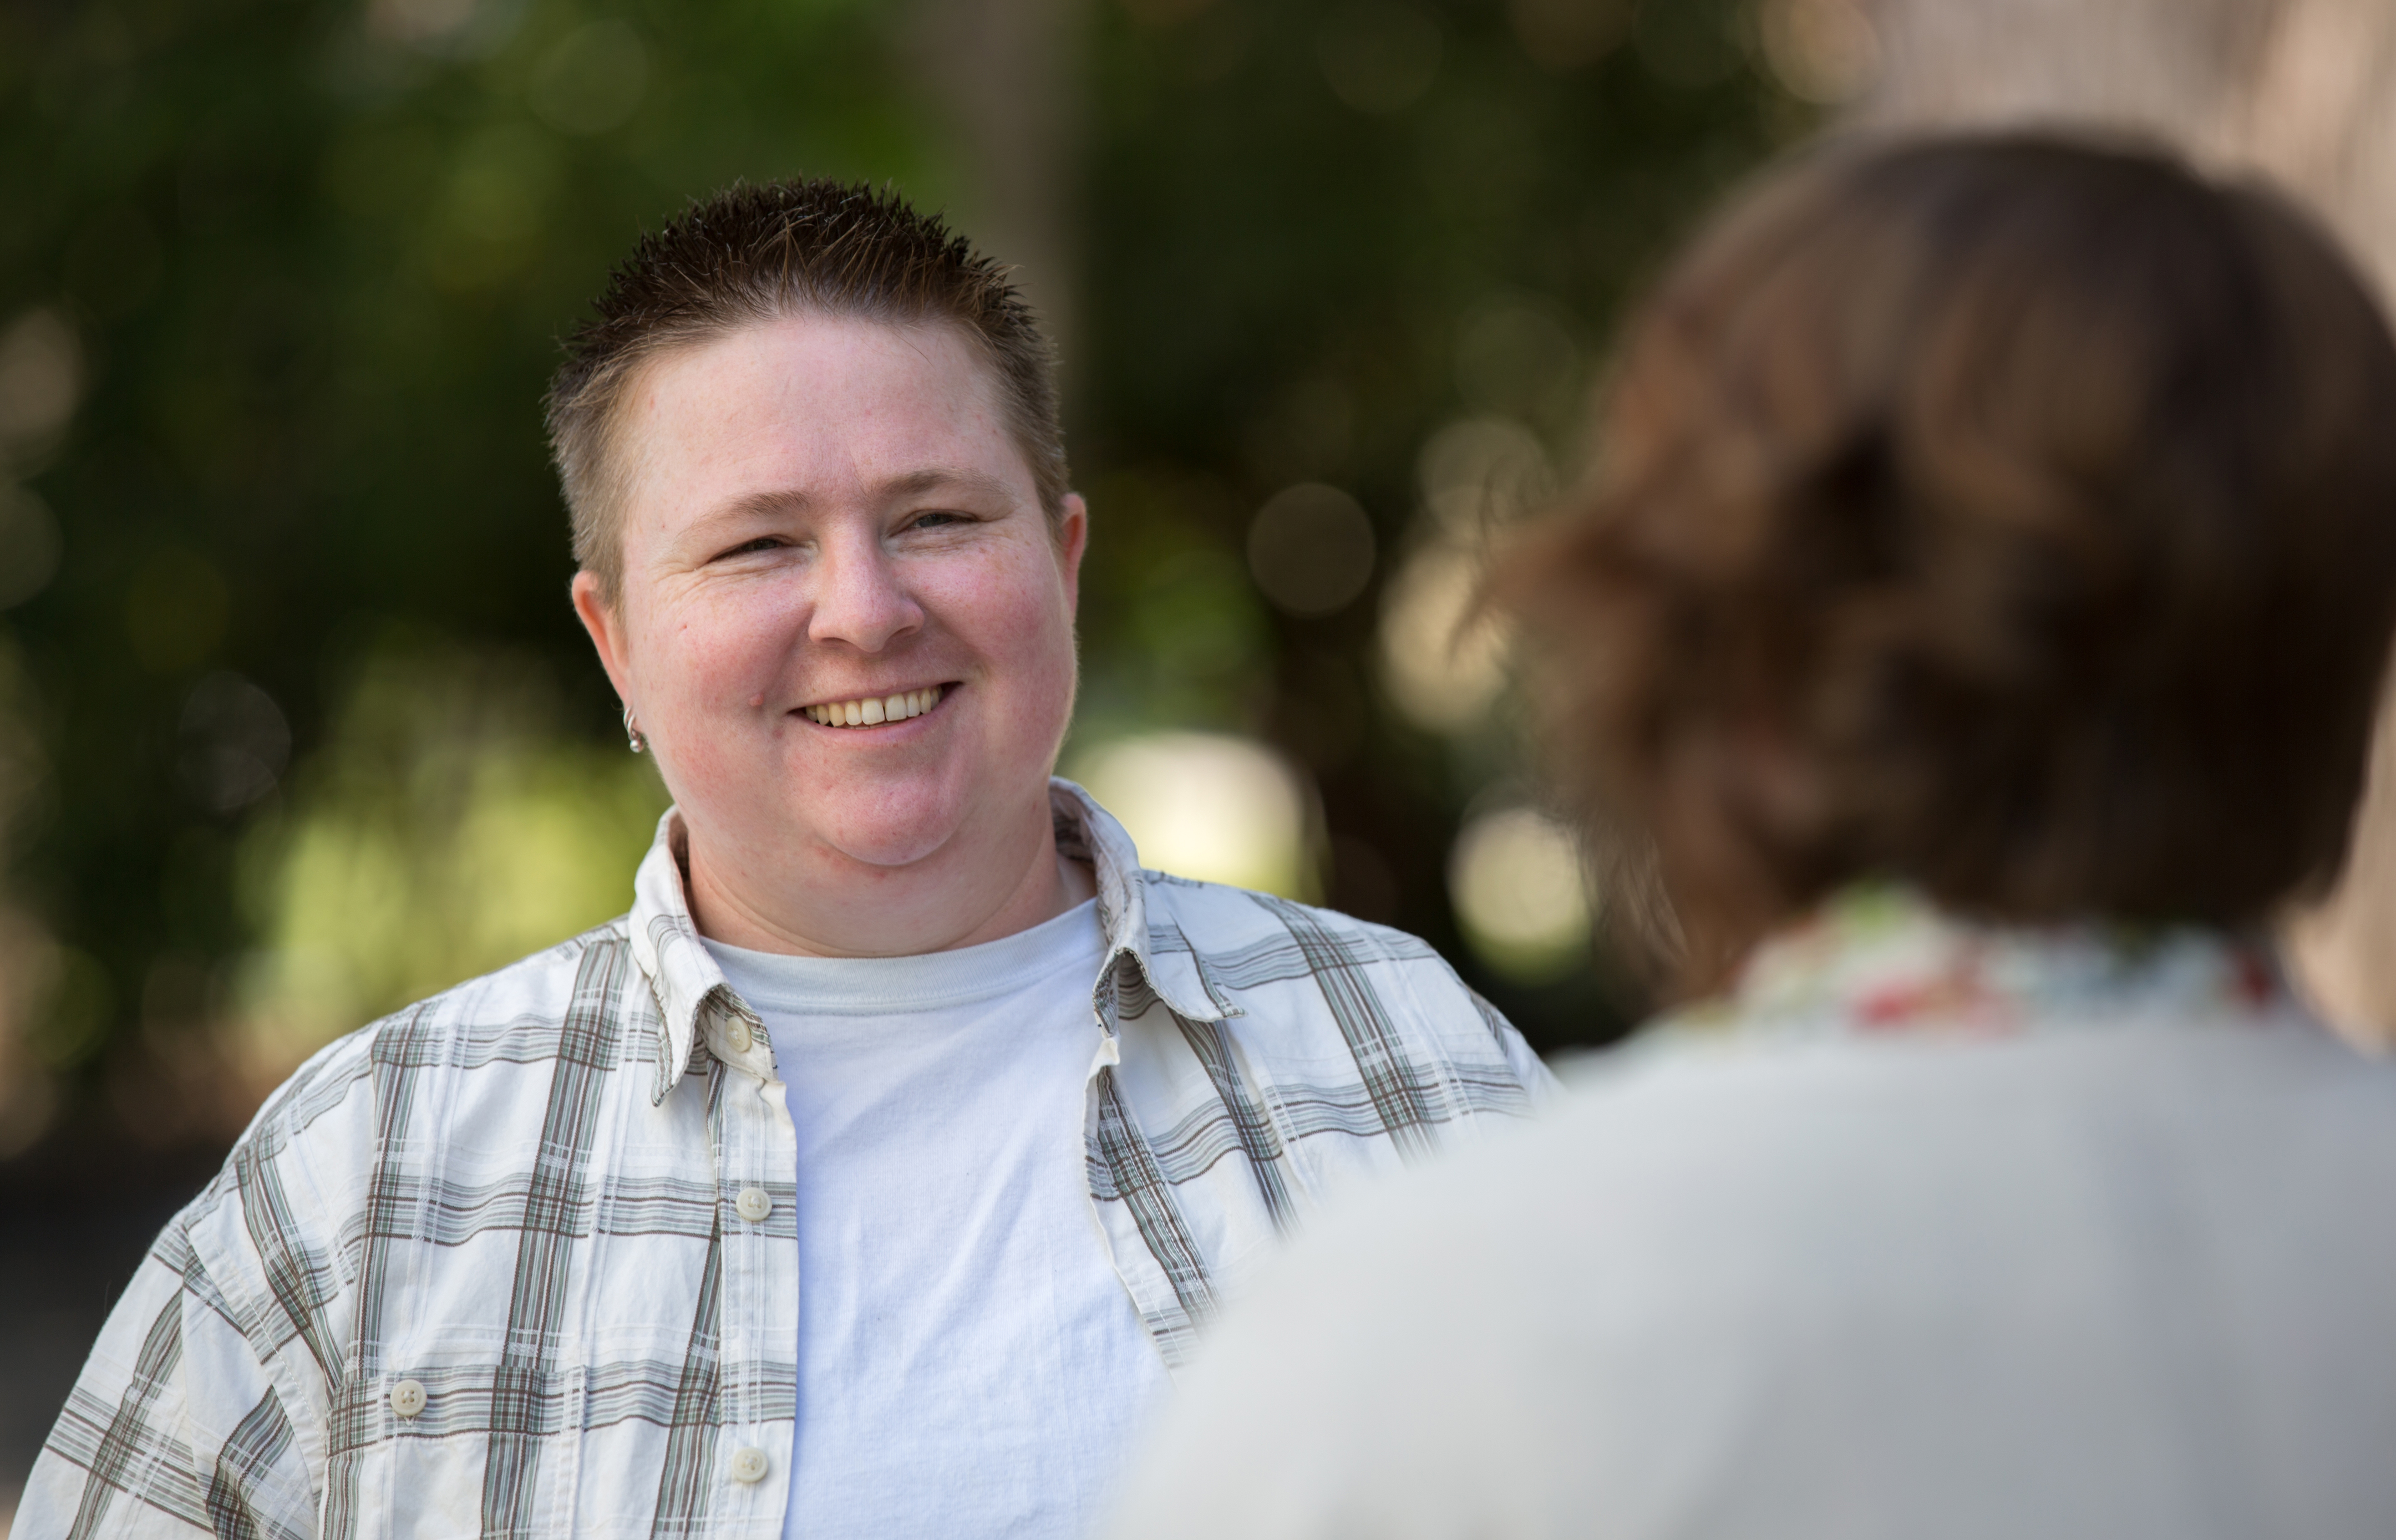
<point>2012,516</point>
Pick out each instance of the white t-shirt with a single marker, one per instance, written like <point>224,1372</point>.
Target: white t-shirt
<point>969,1363</point>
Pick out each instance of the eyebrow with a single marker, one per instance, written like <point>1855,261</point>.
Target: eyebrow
<point>914,484</point>
<point>937,478</point>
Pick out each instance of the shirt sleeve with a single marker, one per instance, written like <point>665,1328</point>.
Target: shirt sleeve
<point>174,1429</point>
<point>1537,1078</point>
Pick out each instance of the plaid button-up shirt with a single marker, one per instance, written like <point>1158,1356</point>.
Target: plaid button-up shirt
<point>504,1263</point>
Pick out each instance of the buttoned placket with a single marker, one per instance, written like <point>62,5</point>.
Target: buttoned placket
<point>756,1187</point>
<point>756,1176</point>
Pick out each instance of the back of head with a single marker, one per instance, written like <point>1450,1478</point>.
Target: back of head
<point>2010,516</point>
<point>752,255</point>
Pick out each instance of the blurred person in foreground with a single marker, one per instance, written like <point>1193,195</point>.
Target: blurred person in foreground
<point>869,1178</point>
<point>1980,601</point>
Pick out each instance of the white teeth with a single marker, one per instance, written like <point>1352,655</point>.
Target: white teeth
<point>871,711</point>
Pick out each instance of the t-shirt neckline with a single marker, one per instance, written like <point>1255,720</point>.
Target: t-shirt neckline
<point>888,986</point>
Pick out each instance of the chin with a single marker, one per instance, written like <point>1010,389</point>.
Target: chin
<point>895,828</point>
<point>899,846</point>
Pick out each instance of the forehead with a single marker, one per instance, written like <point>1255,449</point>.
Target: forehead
<point>813,403</point>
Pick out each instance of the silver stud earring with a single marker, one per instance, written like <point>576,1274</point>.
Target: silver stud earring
<point>633,733</point>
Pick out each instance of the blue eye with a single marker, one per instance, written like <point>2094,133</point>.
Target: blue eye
<point>749,547</point>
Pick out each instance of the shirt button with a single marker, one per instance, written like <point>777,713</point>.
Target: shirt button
<point>753,1205</point>
<point>748,1465</point>
<point>736,1035</point>
<point>407,1397</point>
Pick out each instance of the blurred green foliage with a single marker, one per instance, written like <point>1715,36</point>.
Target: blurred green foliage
<point>1315,234</point>
<point>312,259</point>
<point>447,826</point>
<point>317,256</point>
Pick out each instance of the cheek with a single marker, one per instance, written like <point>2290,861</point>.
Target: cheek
<point>1019,620</point>
<point>707,657</point>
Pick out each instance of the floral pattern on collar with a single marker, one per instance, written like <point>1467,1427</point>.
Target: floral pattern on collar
<point>1881,957</point>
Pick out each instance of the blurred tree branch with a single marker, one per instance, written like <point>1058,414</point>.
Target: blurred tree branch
<point>1005,78</point>
<point>2302,89</point>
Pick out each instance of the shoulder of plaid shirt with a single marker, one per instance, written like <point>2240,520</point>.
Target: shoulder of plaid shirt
<point>483,1267</point>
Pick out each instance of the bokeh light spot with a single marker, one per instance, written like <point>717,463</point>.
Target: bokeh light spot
<point>1481,473</point>
<point>1521,893</point>
<point>1380,56</point>
<point>592,80</point>
<point>41,374</point>
<point>418,21</point>
<point>1560,35</point>
<point>445,829</point>
<point>1442,664</point>
<point>235,743</point>
<point>28,545</point>
<point>1824,51</point>
<point>30,968</point>
<point>1311,549</point>
<point>1205,806</point>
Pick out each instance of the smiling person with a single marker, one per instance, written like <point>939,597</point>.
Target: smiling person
<point>872,1175</point>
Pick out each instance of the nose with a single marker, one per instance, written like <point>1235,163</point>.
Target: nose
<point>858,598</point>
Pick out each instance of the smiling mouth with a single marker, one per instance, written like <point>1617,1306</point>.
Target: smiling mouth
<point>874,710</point>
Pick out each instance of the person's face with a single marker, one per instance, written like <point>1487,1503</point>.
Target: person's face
<point>823,510</point>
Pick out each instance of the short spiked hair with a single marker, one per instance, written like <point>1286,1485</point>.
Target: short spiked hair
<point>751,255</point>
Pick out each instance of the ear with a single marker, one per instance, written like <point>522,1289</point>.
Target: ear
<point>1072,540</point>
<point>605,625</point>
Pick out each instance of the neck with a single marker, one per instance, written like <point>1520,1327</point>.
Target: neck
<point>824,903</point>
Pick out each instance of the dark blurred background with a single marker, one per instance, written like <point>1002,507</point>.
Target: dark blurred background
<point>295,722</point>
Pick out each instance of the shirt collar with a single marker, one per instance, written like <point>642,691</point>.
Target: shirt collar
<point>1142,934</point>
<point>696,1004</point>
<point>1879,957</point>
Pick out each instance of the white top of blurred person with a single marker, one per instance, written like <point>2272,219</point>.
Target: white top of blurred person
<point>822,508</point>
<point>1937,1229</point>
